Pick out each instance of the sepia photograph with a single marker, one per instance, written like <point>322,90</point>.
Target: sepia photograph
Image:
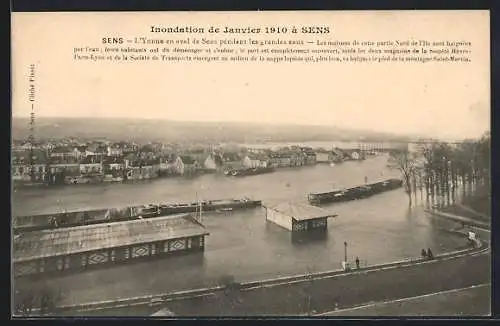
<point>251,164</point>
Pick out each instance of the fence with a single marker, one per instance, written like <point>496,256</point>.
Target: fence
<point>363,263</point>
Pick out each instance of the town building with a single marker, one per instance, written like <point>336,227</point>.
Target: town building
<point>187,165</point>
<point>171,165</point>
<point>322,157</point>
<point>80,152</point>
<point>29,165</point>
<point>140,169</point>
<point>96,150</point>
<point>62,153</point>
<point>91,165</point>
<point>309,155</point>
<point>63,169</point>
<point>113,163</point>
<point>256,160</point>
<point>114,150</point>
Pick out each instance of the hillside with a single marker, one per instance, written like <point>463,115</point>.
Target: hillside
<point>176,131</point>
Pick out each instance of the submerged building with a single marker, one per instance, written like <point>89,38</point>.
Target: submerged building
<point>83,247</point>
<point>297,217</point>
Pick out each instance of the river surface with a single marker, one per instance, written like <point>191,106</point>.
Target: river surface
<point>243,244</point>
<point>325,145</point>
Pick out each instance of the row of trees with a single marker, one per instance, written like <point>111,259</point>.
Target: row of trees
<point>439,169</point>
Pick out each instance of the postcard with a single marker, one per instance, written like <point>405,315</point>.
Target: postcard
<point>258,164</point>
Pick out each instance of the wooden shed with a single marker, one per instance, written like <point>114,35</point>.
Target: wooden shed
<point>82,247</point>
<point>298,217</point>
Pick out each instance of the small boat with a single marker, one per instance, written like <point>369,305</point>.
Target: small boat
<point>227,209</point>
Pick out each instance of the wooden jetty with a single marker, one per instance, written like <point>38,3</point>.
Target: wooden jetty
<point>297,217</point>
<point>82,247</point>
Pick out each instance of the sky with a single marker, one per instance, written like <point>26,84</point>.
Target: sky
<point>432,99</point>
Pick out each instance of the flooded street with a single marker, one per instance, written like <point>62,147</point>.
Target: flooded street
<point>378,229</point>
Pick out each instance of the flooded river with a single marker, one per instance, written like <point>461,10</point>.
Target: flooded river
<point>378,229</point>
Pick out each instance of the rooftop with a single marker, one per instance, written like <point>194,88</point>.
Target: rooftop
<point>63,241</point>
<point>24,157</point>
<point>299,211</point>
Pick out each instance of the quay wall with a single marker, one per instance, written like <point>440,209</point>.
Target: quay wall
<point>253,294</point>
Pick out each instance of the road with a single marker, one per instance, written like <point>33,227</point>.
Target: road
<point>323,295</point>
<point>469,301</point>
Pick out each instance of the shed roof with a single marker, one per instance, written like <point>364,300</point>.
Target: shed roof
<point>299,211</point>
<point>63,241</point>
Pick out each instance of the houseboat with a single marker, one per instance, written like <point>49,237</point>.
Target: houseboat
<point>354,193</point>
<point>87,217</point>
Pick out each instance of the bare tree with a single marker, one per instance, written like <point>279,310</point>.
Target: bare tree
<point>406,163</point>
<point>446,167</point>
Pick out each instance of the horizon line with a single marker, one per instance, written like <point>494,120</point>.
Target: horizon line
<point>216,121</point>
<point>385,133</point>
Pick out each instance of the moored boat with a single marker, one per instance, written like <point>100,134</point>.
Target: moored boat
<point>249,171</point>
<point>353,193</point>
<point>86,217</point>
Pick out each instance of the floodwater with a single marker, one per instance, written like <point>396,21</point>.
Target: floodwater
<point>243,244</point>
<point>286,184</point>
<point>325,145</point>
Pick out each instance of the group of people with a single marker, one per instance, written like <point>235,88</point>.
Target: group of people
<point>427,254</point>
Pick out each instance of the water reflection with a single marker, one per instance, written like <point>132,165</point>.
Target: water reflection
<point>306,238</point>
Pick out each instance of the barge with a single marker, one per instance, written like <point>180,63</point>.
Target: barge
<point>84,247</point>
<point>248,171</point>
<point>354,193</point>
<point>88,217</point>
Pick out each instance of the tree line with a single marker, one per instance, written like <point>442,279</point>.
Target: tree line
<point>438,170</point>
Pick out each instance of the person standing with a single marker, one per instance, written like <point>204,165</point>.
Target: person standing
<point>429,254</point>
<point>424,254</point>
<point>357,262</point>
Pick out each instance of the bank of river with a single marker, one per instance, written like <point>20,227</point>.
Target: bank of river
<point>379,229</point>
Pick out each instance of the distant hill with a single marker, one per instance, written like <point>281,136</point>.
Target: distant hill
<point>176,131</point>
